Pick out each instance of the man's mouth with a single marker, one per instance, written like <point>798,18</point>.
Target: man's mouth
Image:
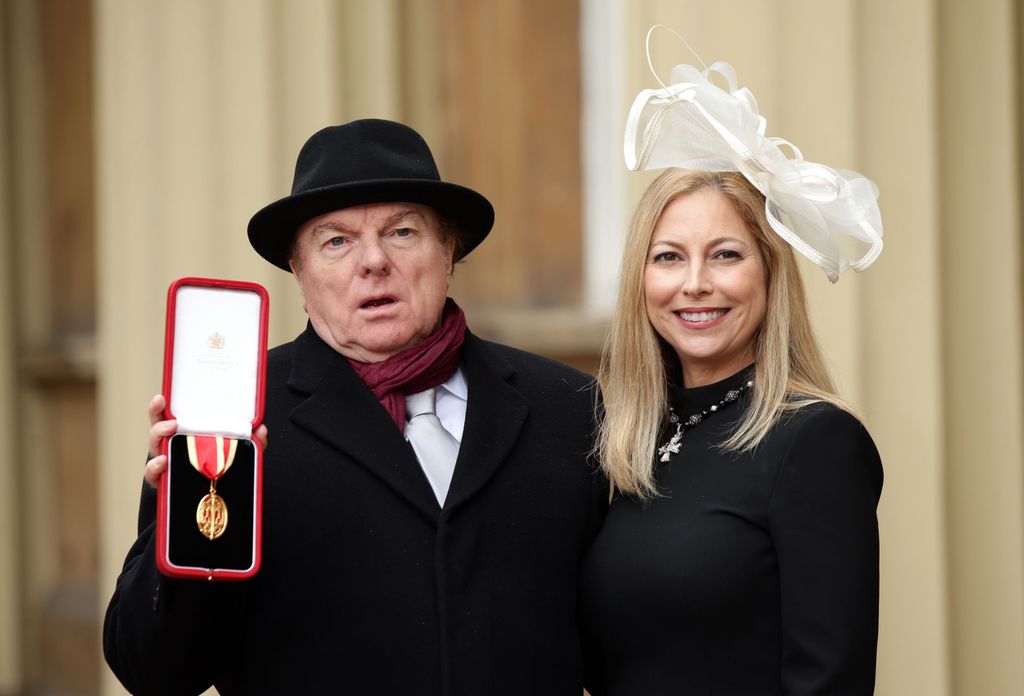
<point>376,302</point>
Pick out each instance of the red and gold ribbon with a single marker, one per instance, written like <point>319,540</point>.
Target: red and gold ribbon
<point>212,456</point>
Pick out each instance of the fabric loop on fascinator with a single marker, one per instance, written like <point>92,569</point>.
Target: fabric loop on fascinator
<point>830,216</point>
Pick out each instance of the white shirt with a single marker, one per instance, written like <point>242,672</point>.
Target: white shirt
<point>450,404</point>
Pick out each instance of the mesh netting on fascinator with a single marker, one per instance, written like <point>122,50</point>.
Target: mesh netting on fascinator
<point>830,216</point>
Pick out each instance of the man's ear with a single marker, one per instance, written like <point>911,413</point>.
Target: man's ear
<point>294,265</point>
<point>450,254</point>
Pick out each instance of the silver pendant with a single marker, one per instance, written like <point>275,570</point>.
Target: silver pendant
<point>672,446</point>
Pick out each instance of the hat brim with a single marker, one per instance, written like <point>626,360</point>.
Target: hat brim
<point>272,229</point>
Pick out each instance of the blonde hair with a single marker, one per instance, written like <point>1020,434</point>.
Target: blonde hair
<point>790,370</point>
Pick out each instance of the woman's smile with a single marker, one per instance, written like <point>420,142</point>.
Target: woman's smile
<point>699,319</point>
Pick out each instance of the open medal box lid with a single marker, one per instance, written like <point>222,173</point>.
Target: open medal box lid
<point>209,515</point>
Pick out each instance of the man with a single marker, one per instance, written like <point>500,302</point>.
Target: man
<point>398,558</point>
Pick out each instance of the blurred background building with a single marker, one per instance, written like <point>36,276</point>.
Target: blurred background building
<point>138,136</point>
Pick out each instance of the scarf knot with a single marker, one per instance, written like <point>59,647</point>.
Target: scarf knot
<point>422,366</point>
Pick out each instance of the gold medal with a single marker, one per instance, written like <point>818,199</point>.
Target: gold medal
<point>211,456</point>
<point>212,514</point>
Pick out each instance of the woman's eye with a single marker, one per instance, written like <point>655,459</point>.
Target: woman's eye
<point>667,256</point>
<point>728,254</point>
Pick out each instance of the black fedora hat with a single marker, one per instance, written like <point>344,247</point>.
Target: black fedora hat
<point>366,161</point>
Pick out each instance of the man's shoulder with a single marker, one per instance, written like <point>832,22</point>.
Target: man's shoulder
<point>281,352</point>
<point>281,355</point>
<point>533,366</point>
<point>282,359</point>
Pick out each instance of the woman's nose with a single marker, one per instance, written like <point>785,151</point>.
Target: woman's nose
<point>697,281</point>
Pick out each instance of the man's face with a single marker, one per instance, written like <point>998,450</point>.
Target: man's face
<point>374,277</point>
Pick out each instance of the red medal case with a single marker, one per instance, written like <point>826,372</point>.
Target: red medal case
<point>215,354</point>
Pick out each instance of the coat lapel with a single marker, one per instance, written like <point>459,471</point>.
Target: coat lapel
<point>342,412</point>
<point>495,414</point>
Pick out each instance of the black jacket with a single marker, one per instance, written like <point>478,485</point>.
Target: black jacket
<point>367,586</point>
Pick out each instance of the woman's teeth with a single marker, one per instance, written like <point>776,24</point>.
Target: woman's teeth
<point>701,316</point>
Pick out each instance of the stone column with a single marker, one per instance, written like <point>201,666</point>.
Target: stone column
<point>978,67</point>
<point>10,580</point>
<point>901,351</point>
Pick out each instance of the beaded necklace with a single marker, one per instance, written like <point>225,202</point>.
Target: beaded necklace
<point>672,446</point>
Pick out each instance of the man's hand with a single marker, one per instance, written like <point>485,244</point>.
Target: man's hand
<point>160,429</point>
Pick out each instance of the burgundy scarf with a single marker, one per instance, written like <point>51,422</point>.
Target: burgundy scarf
<point>427,364</point>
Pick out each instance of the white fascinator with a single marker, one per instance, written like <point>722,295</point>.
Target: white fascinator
<point>830,216</point>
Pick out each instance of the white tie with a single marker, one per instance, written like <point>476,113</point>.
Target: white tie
<point>434,446</point>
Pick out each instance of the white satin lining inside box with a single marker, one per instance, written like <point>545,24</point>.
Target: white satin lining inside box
<point>216,359</point>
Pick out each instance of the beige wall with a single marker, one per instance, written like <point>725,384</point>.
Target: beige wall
<point>201,107</point>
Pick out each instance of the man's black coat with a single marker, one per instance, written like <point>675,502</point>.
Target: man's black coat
<point>367,586</point>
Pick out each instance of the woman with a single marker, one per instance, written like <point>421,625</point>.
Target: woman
<point>740,552</point>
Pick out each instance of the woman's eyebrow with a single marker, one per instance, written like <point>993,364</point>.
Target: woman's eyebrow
<point>726,239</point>
<point>714,242</point>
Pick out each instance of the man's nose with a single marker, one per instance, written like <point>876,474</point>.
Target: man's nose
<point>373,259</point>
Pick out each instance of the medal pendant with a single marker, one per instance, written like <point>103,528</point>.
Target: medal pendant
<point>212,457</point>
<point>212,514</point>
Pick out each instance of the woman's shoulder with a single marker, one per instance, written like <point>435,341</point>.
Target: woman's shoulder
<point>823,434</point>
<point>819,414</point>
<point>823,421</point>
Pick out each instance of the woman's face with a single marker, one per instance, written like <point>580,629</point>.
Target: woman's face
<point>705,286</point>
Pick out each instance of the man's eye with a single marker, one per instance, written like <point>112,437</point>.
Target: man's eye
<point>336,241</point>
<point>403,232</point>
